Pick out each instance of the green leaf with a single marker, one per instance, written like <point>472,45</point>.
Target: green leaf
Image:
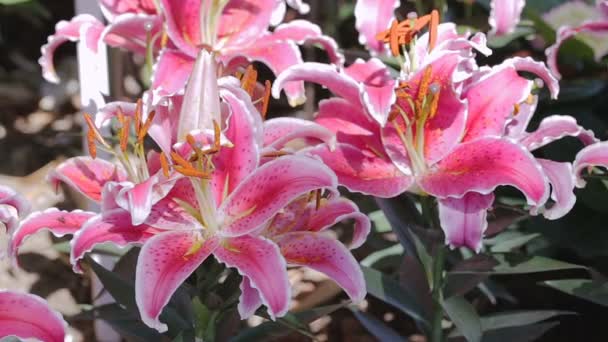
<point>402,214</point>
<point>283,326</point>
<point>520,264</point>
<point>586,289</point>
<point>381,224</point>
<point>375,257</point>
<point>389,291</point>
<point>13,2</point>
<point>502,41</point>
<point>464,317</point>
<point>507,245</point>
<point>375,326</point>
<point>525,333</point>
<point>518,318</point>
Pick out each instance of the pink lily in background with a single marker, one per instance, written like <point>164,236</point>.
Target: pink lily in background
<point>438,137</point>
<point>595,155</point>
<point>236,31</point>
<point>12,207</point>
<point>505,15</point>
<point>28,316</point>
<point>597,26</point>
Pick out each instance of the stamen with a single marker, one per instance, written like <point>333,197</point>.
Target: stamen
<point>423,89</point>
<point>435,89</point>
<point>266,98</point>
<point>91,144</point>
<point>138,111</point>
<point>275,154</point>
<point>249,80</point>
<point>433,29</point>
<point>516,109</point>
<point>164,164</point>
<point>93,128</point>
<point>144,129</point>
<point>124,133</point>
<point>192,172</point>
<point>177,159</point>
<point>402,33</point>
<point>318,199</point>
<point>217,132</point>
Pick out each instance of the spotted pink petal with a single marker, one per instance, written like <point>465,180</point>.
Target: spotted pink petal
<point>448,38</point>
<point>590,156</point>
<point>562,181</point>
<point>10,197</point>
<point>116,7</point>
<point>350,124</point>
<point>564,33</point>
<point>82,27</point>
<point>112,109</point>
<point>234,164</point>
<point>278,55</point>
<point>169,213</point>
<point>114,227</point>
<point>327,255</point>
<point>285,132</point>
<point>244,21</point>
<point>250,299</point>
<point>139,198</point>
<point>28,316</point>
<point>491,104</point>
<point>172,70</point>
<point>371,18</point>
<point>270,188</point>
<point>505,15</point>
<point>323,74</point>
<point>164,126</point>
<point>554,128</point>
<point>9,218</point>
<point>87,175</point>
<point>302,32</point>
<point>376,86</point>
<point>58,222</point>
<point>337,210</point>
<point>516,127</point>
<point>484,164</point>
<point>164,263</point>
<point>463,220</point>
<point>131,31</point>
<point>261,262</point>
<point>362,171</point>
<point>183,23</point>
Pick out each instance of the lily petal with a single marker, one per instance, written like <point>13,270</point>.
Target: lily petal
<point>376,86</point>
<point>303,31</point>
<point>250,299</point>
<point>336,210</point>
<point>171,72</point>
<point>28,316</point>
<point>169,213</point>
<point>111,110</point>
<point>326,255</point>
<point>323,74</point>
<point>58,222</point>
<point>261,262</point>
<point>270,188</point>
<point>360,171</point>
<point>164,263</point>
<point>592,155</point>
<point>10,197</point>
<point>562,181</point>
<point>564,33</point>
<point>527,64</point>
<point>371,18</point>
<point>87,175</point>
<point>82,27</point>
<point>484,164</point>
<point>183,23</point>
<point>243,21</point>
<point>282,132</point>
<point>114,227</point>
<point>464,220</point>
<point>130,31</point>
<point>554,128</point>
<point>505,15</point>
<point>138,199</point>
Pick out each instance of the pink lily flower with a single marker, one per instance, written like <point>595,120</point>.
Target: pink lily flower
<point>236,31</point>
<point>438,137</point>
<point>113,8</point>
<point>591,156</point>
<point>12,206</point>
<point>594,26</point>
<point>28,316</point>
<point>505,15</point>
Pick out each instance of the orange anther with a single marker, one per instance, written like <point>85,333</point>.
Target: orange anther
<point>138,112</point>
<point>191,172</point>
<point>141,134</point>
<point>394,38</point>
<point>266,98</point>
<point>318,199</point>
<point>92,128</point>
<point>423,88</point>
<point>249,80</point>
<point>124,133</point>
<point>180,161</point>
<point>217,130</point>
<point>433,27</point>
<point>434,105</point>
<point>164,164</point>
<point>516,109</point>
<point>91,143</point>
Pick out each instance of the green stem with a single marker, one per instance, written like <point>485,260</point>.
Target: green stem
<point>420,7</point>
<point>438,265</point>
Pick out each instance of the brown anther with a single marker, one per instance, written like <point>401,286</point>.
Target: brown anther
<point>275,154</point>
<point>164,164</point>
<point>138,113</point>
<point>124,133</point>
<point>141,134</point>
<point>191,172</point>
<point>318,199</point>
<point>92,128</point>
<point>179,160</point>
<point>217,136</point>
<point>249,80</point>
<point>434,105</point>
<point>164,39</point>
<point>530,99</point>
<point>266,98</point>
